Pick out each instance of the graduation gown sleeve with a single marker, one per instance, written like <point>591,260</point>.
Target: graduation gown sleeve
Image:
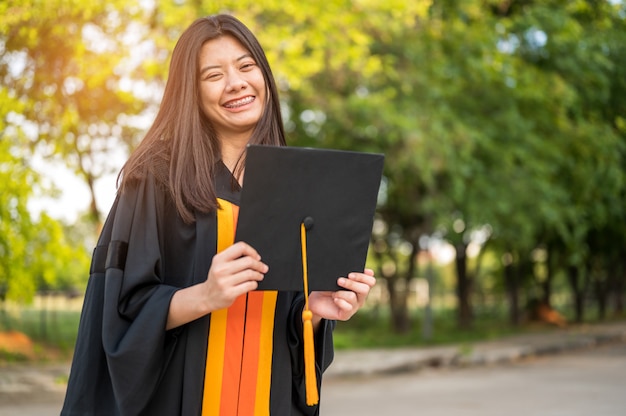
<point>136,301</point>
<point>122,342</point>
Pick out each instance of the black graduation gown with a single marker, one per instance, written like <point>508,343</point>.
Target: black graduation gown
<point>125,362</point>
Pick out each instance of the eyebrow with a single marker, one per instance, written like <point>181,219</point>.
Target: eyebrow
<point>206,68</point>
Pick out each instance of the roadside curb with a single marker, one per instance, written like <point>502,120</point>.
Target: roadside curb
<point>21,379</point>
<point>356,363</point>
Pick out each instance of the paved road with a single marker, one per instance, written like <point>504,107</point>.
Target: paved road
<point>584,383</point>
<point>26,390</point>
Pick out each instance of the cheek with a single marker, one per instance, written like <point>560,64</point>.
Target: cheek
<point>208,100</point>
<point>259,83</point>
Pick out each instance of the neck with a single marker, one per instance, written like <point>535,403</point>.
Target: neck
<point>231,154</point>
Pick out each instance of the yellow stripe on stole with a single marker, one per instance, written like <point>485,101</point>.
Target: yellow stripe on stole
<point>217,336</point>
<point>264,376</point>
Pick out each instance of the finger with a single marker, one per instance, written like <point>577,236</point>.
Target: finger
<point>344,305</point>
<point>246,286</point>
<point>239,249</point>
<point>368,279</point>
<point>240,278</point>
<point>235,291</point>
<point>359,285</point>
<point>345,297</point>
<point>247,263</point>
<point>234,285</point>
<point>245,276</point>
<point>223,266</point>
<point>321,293</point>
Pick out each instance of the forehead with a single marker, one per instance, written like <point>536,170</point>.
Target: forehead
<point>222,50</point>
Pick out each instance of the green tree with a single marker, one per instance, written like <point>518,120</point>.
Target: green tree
<point>498,119</point>
<point>16,225</point>
<point>34,252</point>
<point>70,66</point>
<point>580,44</point>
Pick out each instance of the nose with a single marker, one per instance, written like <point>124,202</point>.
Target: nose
<point>235,82</point>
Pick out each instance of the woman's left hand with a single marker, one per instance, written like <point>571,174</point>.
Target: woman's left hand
<point>343,304</point>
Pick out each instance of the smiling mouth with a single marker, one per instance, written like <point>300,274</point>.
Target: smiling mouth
<point>239,103</point>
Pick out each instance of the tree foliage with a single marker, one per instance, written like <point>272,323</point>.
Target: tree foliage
<point>503,122</point>
<point>35,253</point>
<point>69,65</point>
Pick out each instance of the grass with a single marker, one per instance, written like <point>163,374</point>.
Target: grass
<point>373,330</point>
<point>7,356</point>
<point>53,332</point>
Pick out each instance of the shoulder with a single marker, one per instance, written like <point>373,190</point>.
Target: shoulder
<point>151,165</point>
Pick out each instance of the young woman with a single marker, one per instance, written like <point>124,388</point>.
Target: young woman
<point>172,324</point>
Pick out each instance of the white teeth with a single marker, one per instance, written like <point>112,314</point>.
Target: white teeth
<point>239,103</point>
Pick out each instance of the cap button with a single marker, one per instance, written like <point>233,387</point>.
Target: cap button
<point>308,223</point>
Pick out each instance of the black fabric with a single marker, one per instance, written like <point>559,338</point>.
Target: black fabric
<point>333,192</point>
<point>98,260</point>
<point>125,362</point>
<point>116,255</point>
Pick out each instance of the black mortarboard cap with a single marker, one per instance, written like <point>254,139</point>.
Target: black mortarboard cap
<point>332,192</point>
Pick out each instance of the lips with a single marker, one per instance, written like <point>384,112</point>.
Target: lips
<point>239,102</point>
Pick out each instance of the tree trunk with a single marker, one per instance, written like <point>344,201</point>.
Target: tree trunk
<point>616,286</point>
<point>619,296</point>
<point>427,328</point>
<point>399,310</point>
<point>463,288</point>
<point>512,290</point>
<point>546,285</point>
<point>619,289</point>
<point>398,305</point>
<point>577,292</point>
<point>602,294</point>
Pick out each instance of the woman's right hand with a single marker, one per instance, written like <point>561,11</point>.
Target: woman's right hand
<point>234,271</point>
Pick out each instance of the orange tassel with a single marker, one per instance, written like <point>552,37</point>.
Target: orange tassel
<point>310,377</point>
<point>312,396</point>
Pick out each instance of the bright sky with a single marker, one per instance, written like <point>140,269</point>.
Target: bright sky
<point>74,198</point>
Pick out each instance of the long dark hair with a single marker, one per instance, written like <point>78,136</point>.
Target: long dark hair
<point>182,139</point>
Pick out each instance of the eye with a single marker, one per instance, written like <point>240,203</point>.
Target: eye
<point>248,66</point>
<point>213,76</point>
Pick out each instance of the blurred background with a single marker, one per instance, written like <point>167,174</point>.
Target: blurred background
<point>503,123</point>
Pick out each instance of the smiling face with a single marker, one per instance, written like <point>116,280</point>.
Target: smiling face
<point>232,88</point>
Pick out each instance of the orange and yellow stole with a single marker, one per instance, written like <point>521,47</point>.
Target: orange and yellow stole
<point>239,354</point>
